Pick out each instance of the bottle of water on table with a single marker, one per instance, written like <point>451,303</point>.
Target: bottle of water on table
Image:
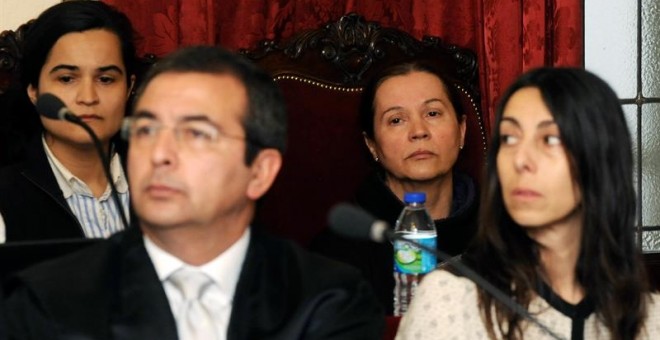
<point>410,262</point>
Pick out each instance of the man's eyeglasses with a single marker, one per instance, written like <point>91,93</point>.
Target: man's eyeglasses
<point>193,134</point>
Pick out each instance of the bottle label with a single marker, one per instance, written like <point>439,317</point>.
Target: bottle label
<point>409,259</point>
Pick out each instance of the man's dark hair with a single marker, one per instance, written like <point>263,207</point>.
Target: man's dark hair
<point>265,120</point>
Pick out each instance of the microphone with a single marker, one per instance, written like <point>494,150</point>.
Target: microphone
<point>50,106</point>
<point>351,221</point>
<point>354,222</point>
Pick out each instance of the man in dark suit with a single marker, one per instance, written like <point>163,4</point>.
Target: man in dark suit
<point>205,143</point>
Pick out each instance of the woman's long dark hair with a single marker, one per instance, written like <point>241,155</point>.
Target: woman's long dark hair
<point>609,267</point>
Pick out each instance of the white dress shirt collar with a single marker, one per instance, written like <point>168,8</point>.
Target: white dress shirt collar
<point>70,184</point>
<point>225,269</point>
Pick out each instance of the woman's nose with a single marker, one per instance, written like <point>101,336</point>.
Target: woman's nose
<point>524,159</point>
<point>87,93</point>
<point>419,130</point>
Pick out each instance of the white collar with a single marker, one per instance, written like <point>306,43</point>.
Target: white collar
<point>70,184</point>
<point>225,269</point>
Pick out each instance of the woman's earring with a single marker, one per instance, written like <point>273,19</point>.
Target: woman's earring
<point>376,159</point>
<point>461,147</point>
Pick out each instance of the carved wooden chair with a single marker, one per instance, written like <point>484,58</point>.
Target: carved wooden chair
<point>10,56</point>
<point>321,73</point>
<point>12,126</point>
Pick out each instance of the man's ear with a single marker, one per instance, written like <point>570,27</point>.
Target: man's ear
<point>264,168</point>
<point>32,93</point>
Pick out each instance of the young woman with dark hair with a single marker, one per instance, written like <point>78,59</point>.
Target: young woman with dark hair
<point>556,229</point>
<point>83,53</point>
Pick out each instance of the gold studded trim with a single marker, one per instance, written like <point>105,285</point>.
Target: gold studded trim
<point>479,118</point>
<point>319,84</point>
<point>475,108</point>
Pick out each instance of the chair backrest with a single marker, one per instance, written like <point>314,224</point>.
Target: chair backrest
<point>322,73</point>
<point>652,262</point>
<point>17,256</point>
<point>10,56</point>
<point>13,126</point>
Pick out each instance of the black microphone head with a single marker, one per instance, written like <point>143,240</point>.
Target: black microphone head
<point>351,221</point>
<point>48,105</point>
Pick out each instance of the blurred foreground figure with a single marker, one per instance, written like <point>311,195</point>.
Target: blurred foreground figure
<point>205,143</point>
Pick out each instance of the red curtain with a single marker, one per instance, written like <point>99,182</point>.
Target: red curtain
<point>509,36</point>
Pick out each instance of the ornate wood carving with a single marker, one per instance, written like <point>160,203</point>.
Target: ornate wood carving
<point>355,46</point>
<point>10,55</point>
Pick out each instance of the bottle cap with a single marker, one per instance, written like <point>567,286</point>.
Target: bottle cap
<point>414,197</point>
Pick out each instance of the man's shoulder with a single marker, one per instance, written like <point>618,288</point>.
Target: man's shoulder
<point>10,173</point>
<point>294,251</point>
<point>89,265</point>
<point>303,295</point>
<point>288,257</point>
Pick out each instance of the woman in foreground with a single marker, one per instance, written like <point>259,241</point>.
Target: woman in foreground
<point>556,225</point>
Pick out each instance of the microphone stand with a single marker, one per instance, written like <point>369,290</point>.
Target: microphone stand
<point>480,281</point>
<point>105,162</point>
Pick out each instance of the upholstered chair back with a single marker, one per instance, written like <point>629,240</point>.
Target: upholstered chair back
<point>322,73</point>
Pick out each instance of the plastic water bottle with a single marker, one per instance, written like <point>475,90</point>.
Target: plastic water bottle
<point>410,262</point>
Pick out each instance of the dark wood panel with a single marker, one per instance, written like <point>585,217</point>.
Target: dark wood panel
<point>652,261</point>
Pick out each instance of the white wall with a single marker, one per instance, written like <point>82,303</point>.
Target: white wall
<point>611,43</point>
<point>13,13</point>
<point>611,50</point>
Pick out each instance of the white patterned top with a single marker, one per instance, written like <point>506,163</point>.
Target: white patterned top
<point>445,307</point>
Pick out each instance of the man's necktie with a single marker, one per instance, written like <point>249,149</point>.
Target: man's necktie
<point>194,319</point>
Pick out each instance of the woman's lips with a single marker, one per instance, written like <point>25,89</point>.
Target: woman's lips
<point>525,194</point>
<point>421,154</point>
<point>89,117</point>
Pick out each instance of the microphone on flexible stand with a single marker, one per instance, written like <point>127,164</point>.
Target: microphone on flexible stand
<point>49,106</point>
<point>354,222</point>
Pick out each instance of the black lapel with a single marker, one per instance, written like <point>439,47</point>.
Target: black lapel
<point>141,309</point>
<point>245,301</point>
<point>261,300</point>
<point>37,170</point>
